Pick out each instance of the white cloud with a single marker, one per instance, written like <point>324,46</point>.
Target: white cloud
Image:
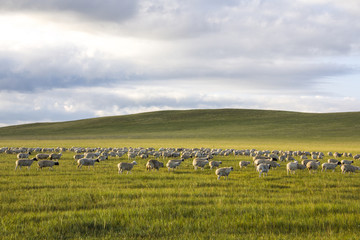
<point>77,59</point>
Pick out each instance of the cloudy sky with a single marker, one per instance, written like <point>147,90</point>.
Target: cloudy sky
<point>66,60</point>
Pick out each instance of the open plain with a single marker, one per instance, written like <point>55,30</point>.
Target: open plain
<point>99,203</point>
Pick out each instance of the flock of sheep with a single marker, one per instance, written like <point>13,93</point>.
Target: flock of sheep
<point>201,157</point>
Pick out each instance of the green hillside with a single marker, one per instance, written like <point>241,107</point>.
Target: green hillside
<point>210,124</point>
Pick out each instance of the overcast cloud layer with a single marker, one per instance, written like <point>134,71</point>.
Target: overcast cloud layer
<point>66,60</point>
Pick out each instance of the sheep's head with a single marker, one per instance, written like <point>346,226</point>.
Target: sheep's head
<point>56,163</point>
<point>97,160</point>
<point>34,159</point>
<point>134,162</point>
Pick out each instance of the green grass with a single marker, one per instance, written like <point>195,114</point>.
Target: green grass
<point>68,203</point>
<point>200,124</point>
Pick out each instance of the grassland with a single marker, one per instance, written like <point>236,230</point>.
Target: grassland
<point>68,203</point>
<point>200,124</point>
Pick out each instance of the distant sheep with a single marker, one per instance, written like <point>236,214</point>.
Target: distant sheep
<point>55,156</point>
<point>126,166</point>
<point>154,164</point>
<point>173,164</point>
<point>214,164</point>
<point>223,172</point>
<point>199,162</point>
<point>292,167</point>
<point>343,162</point>
<point>312,165</point>
<point>42,156</point>
<point>47,163</point>
<point>329,166</point>
<point>263,169</point>
<point>244,164</point>
<point>24,163</point>
<point>78,156</point>
<point>333,161</point>
<point>23,155</point>
<point>87,162</point>
<point>349,168</point>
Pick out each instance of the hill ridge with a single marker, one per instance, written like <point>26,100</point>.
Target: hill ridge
<point>197,123</point>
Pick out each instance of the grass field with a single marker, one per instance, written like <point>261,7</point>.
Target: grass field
<point>218,124</point>
<point>68,203</point>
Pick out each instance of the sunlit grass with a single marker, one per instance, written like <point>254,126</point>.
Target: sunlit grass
<point>69,203</point>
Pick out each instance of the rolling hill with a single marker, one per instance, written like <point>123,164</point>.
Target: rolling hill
<point>209,124</point>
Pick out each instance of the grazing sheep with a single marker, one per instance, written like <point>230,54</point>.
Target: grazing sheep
<point>23,155</point>
<point>223,172</point>
<point>42,156</point>
<point>244,164</point>
<point>259,161</point>
<point>349,168</point>
<point>102,158</point>
<point>213,164</point>
<point>200,162</point>
<point>292,167</point>
<point>91,155</point>
<point>47,163</point>
<point>333,161</point>
<point>87,162</point>
<point>343,162</point>
<point>329,166</point>
<point>78,156</point>
<point>272,164</point>
<point>126,166</point>
<point>131,155</point>
<point>306,161</point>
<point>154,164</point>
<point>312,165</point>
<point>173,164</point>
<point>263,169</point>
<point>24,163</point>
<point>55,156</point>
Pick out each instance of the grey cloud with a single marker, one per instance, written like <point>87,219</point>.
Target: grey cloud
<point>60,104</point>
<point>107,10</point>
<point>59,68</point>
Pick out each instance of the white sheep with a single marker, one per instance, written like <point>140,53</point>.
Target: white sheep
<point>213,164</point>
<point>154,164</point>
<point>272,164</point>
<point>244,164</point>
<point>200,162</point>
<point>42,156</point>
<point>23,155</point>
<point>126,166</point>
<point>173,164</point>
<point>312,165</point>
<point>349,168</point>
<point>329,166</point>
<point>291,167</point>
<point>47,163</point>
<point>87,162</point>
<point>24,163</point>
<point>223,172</point>
<point>78,156</point>
<point>263,169</point>
<point>333,161</point>
<point>55,156</point>
<point>343,162</point>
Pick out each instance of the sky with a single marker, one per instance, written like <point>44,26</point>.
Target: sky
<point>66,60</point>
